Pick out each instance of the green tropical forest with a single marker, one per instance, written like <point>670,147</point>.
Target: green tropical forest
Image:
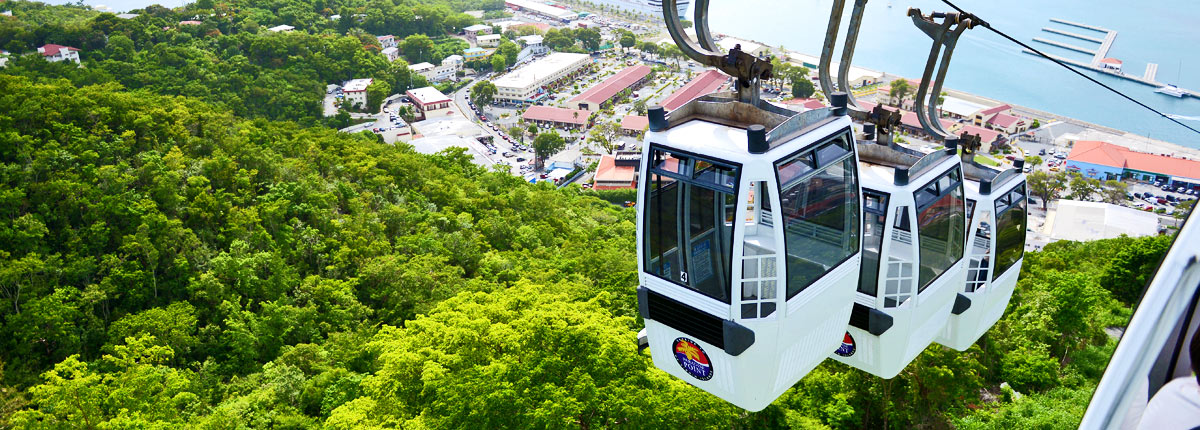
<point>185,243</point>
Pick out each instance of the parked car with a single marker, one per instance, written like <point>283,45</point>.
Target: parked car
<point>520,159</point>
<point>1011,157</point>
<point>1042,152</point>
<point>1162,201</point>
<point>508,154</point>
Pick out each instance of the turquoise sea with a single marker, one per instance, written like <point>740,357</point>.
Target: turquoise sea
<point>1162,32</point>
<point>1166,32</point>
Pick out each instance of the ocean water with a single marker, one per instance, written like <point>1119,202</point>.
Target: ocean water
<point>1163,32</point>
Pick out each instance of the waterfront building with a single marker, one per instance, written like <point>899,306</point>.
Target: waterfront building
<point>537,8</point>
<point>1103,160</point>
<point>55,53</point>
<point>534,44</point>
<point>529,83</point>
<point>652,8</point>
<point>1111,64</point>
<point>604,93</point>
<point>355,92</point>
<point>981,117</point>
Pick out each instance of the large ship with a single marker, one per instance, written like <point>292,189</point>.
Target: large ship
<point>646,7</point>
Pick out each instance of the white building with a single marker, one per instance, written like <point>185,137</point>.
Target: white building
<point>429,102</point>
<point>386,41</point>
<point>355,92</point>
<point>1082,221</point>
<point>423,69</point>
<point>281,28</point>
<point>534,44</point>
<point>55,53</point>
<point>391,52</point>
<point>652,8</point>
<point>538,8</point>
<point>3,58</point>
<point>527,84</point>
<point>488,40</point>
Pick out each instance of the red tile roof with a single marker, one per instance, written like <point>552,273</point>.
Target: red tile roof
<point>910,119</point>
<point>703,84</point>
<point>1107,154</point>
<point>608,171</point>
<point>547,113</point>
<point>1111,61</point>
<point>635,122</point>
<point>605,91</point>
<point>51,49</point>
<point>994,110</point>
<point>1003,120</point>
<point>806,103</point>
<point>985,135</point>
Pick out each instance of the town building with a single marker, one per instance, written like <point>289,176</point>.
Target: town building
<point>1084,221</point>
<point>355,92</point>
<point>804,105</point>
<point>533,43</point>
<point>488,40</point>
<point>566,159</point>
<point>1006,123</point>
<point>707,82</point>
<point>423,69</point>
<point>547,116</point>
<point>474,31</point>
<point>617,171</point>
<point>633,125</point>
<point>428,102</point>
<point>651,8</point>
<point>529,83</point>
<point>609,90</point>
<point>55,53</point>
<point>4,58</point>
<point>387,41</point>
<point>127,15</point>
<point>436,144</point>
<point>281,28</point>
<point>981,117</point>
<point>1103,160</point>
<point>391,52</point>
<point>954,107</point>
<point>1111,64</point>
<point>856,76</point>
<point>988,139</point>
<point>472,54</point>
<point>537,8</point>
<point>189,22</point>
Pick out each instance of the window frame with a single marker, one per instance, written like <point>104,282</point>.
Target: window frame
<point>681,234</point>
<point>1023,185</point>
<point>819,165</point>
<point>879,266</point>
<point>919,207</point>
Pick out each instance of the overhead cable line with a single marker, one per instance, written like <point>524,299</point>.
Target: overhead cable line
<point>1076,71</point>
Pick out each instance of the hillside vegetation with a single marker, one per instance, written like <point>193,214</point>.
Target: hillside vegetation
<point>169,261</point>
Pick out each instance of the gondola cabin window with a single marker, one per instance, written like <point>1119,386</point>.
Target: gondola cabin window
<point>1010,229</point>
<point>689,221</point>
<point>819,199</point>
<point>941,226</point>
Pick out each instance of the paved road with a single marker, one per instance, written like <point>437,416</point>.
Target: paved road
<point>460,98</point>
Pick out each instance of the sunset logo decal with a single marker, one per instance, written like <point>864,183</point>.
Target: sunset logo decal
<point>692,358</point>
<point>847,349</point>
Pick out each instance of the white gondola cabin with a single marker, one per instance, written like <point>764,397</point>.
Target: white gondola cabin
<point>997,213</point>
<point>748,244</point>
<point>913,235</point>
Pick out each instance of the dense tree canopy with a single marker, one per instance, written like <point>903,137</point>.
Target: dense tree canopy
<point>175,250</point>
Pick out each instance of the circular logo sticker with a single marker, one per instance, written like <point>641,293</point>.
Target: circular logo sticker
<point>692,358</point>
<point>847,349</point>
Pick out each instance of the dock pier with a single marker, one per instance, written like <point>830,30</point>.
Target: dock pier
<point>1100,53</point>
<point>1065,46</point>
<point>1070,34</point>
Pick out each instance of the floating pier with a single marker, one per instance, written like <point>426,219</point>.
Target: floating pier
<point>1151,72</point>
<point>1139,79</point>
<point>1076,24</point>
<point>1070,34</point>
<point>1065,46</point>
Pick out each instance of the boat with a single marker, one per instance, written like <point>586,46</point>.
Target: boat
<point>1170,90</point>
